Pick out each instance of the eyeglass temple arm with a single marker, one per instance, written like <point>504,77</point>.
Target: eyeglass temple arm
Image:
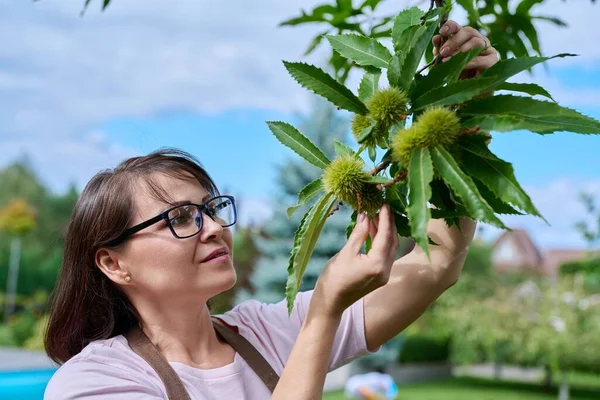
<point>135,229</point>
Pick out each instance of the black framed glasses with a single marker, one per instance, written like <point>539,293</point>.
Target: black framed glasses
<point>185,220</point>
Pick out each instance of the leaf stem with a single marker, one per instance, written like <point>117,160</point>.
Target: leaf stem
<point>424,17</point>
<point>429,64</point>
<point>471,131</point>
<point>380,167</point>
<point>400,177</point>
<point>335,209</point>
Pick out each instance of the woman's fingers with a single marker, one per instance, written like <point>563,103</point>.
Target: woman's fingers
<point>359,234</point>
<point>482,63</point>
<point>437,40</point>
<point>475,42</point>
<point>372,229</point>
<point>453,45</point>
<point>450,28</point>
<point>385,239</point>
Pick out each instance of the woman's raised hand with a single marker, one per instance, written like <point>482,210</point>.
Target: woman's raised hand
<point>350,274</point>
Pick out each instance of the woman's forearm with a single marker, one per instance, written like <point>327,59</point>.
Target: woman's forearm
<point>304,374</point>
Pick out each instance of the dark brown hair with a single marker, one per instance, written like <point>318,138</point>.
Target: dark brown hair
<point>86,305</point>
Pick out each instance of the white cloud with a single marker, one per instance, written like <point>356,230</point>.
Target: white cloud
<point>62,75</point>
<point>577,38</point>
<point>63,161</point>
<point>558,201</point>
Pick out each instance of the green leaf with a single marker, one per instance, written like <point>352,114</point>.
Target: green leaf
<point>360,49</point>
<point>305,241</point>
<point>504,69</point>
<point>394,68</point>
<point>396,197</point>
<point>402,225</point>
<point>321,83</point>
<point>315,42</point>
<point>292,138</point>
<point>369,84</point>
<point>369,3</point>
<point>449,215</point>
<point>529,88</point>
<point>406,42</point>
<point>409,38</point>
<point>351,224</point>
<point>414,56</point>
<point>366,133</point>
<point>430,14</point>
<point>555,21</point>
<point>499,206</point>
<point>531,34</point>
<point>306,194</point>
<point>342,149</point>
<point>447,72</point>
<point>525,5</point>
<point>505,123</point>
<point>379,179</point>
<point>453,93</point>
<point>420,175</point>
<point>372,153</point>
<point>464,187</point>
<point>404,20</point>
<point>498,175</point>
<point>471,9</point>
<point>447,207</point>
<point>318,15</point>
<point>506,113</point>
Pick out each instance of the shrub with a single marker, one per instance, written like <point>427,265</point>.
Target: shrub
<point>424,349</point>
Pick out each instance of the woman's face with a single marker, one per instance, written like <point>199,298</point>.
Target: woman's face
<point>163,267</point>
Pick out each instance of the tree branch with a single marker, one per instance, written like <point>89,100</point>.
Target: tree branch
<point>380,167</point>
<point>443,20</point>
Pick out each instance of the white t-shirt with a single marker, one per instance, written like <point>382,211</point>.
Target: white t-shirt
<point>109,369</point>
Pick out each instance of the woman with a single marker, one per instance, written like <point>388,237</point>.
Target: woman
<point>149,244</point>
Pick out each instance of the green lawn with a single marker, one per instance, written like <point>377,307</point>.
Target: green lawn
<point>480,389</point>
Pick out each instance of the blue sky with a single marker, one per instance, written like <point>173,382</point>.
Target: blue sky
<point>81,94</point>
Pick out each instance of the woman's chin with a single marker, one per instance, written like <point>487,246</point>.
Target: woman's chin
<point>221,281</point>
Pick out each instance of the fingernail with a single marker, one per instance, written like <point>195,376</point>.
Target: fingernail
<point>361,217</point>
<point>445,59</point>
<point>444,30</point>
<point>445,51</point>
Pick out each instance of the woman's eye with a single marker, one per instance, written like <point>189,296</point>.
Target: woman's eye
<point>180,220</point>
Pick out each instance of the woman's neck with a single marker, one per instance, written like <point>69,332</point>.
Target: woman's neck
<point>185,335</point>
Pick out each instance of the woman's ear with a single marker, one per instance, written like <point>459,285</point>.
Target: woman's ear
<point>108,262</point>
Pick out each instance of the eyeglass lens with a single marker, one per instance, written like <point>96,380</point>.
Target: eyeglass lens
<point>186,220</point>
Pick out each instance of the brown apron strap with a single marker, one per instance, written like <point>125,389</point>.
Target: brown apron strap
<point>140,344</point>
<point>253,358</point>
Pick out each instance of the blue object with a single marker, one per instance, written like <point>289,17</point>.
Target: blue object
<point>24,385</point>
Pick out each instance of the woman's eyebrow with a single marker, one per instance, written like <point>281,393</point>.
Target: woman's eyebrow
<point>182,202</point>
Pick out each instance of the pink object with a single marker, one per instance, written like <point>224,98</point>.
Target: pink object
<point>109,369</point>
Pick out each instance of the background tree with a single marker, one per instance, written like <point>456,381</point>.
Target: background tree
<point>590,230</point>
<point>509,26</point>
<point>16,220</point>
<point>552,325</point>
<point>323,124</point>
<point>246,254</point>
<point>40,263</point>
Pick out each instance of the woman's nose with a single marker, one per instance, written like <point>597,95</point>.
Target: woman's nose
<point>210,228</point>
